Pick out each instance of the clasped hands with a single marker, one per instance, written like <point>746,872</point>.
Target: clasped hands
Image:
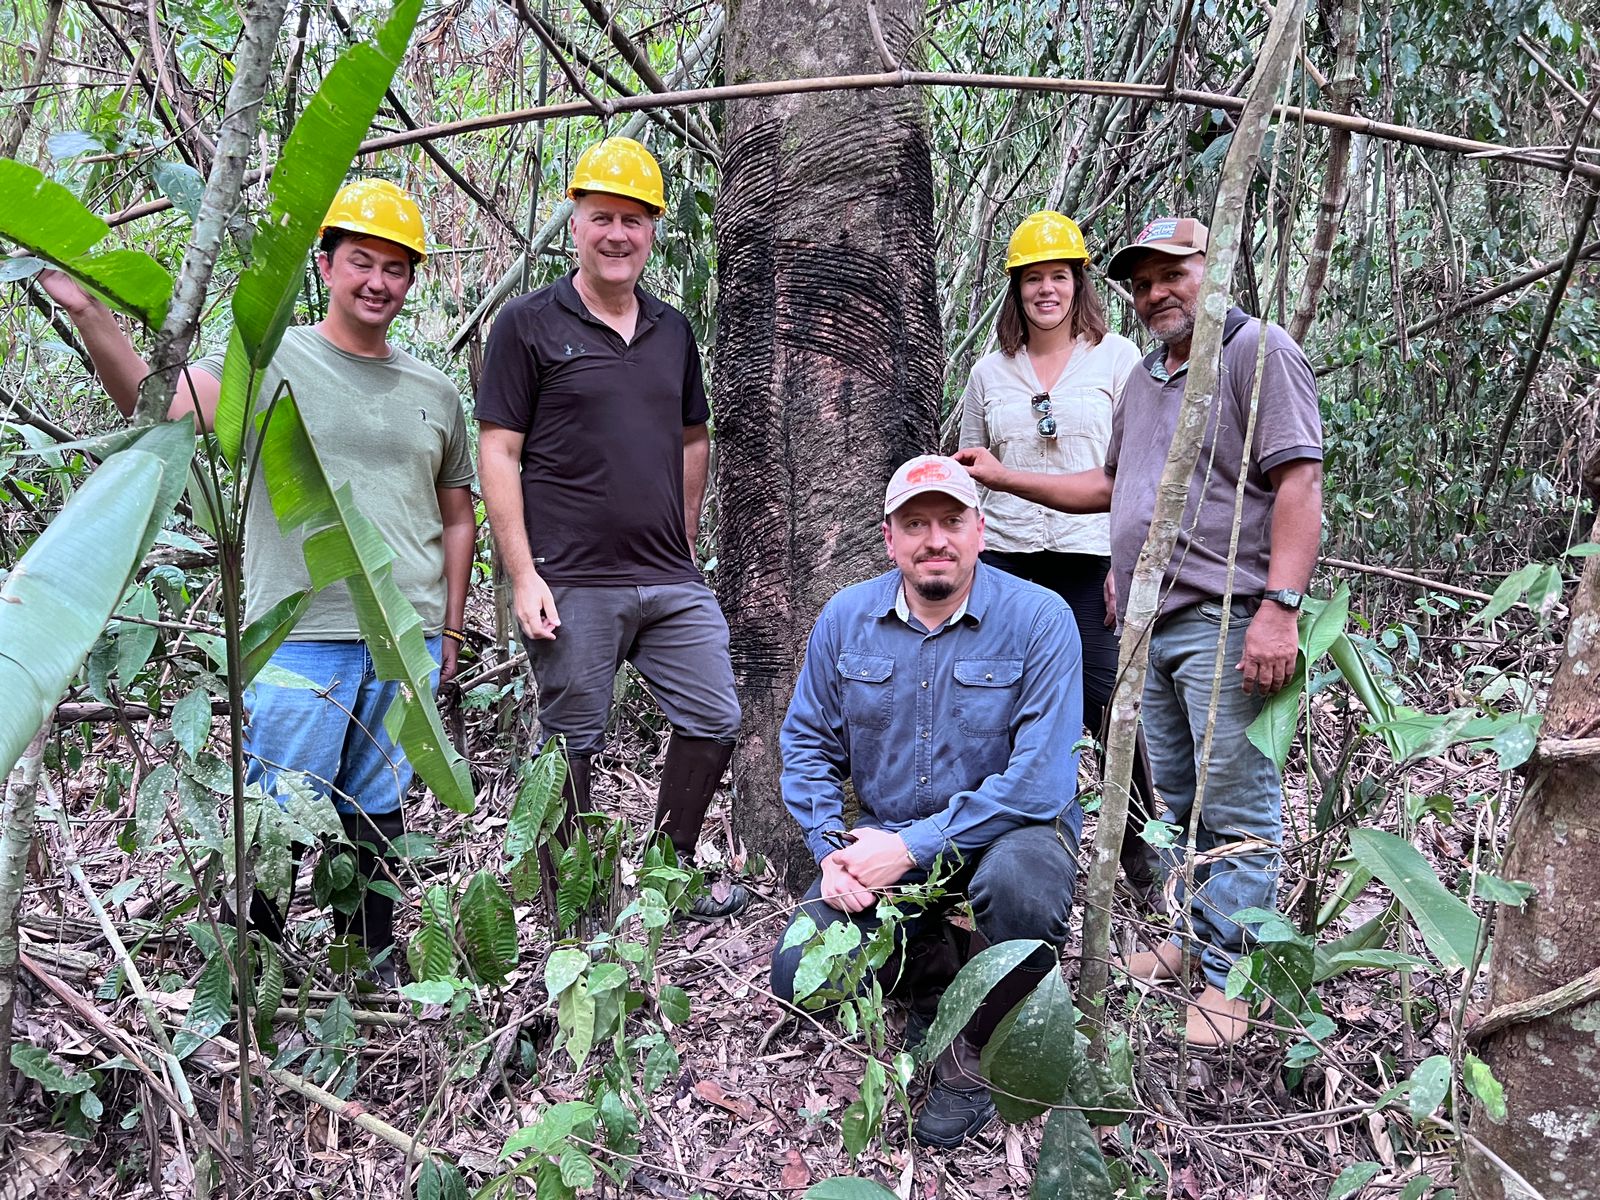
<point>873,859</point>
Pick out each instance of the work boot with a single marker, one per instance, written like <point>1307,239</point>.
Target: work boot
<point>1213,1021</point>
<point>575,796</point>
<point>372,923</point>
<point>1161,965</point>
<point>1141,864</point>
<point>958,1103</point>
<point>689,779</point>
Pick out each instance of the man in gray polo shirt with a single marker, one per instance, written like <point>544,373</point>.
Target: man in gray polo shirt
<point>1239,827</point>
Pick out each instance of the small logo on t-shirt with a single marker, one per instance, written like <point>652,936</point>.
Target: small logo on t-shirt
<point>424,413</point>
<point>573,352</point>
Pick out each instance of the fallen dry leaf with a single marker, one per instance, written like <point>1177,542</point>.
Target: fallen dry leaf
<point>711,1092</point>
<point>795,1173</point>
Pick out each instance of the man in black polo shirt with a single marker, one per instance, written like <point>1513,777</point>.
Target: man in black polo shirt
<point>593,454</point>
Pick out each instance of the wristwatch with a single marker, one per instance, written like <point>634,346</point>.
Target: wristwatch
<point>1287,597</point>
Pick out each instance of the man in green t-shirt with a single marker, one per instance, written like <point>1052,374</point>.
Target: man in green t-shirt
<point>392,428</point>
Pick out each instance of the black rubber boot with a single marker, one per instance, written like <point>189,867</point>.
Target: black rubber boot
<point>372,923</point>
<point>266,917</point>
<point>689,779</point>
<point>575,795</point>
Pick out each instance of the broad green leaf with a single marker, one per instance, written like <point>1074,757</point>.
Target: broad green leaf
<point>562,969</point>
<point>1501,891</point>
<point>200,811</point>
<point>1071,1166</point>
<point>660,1065</point>
<point>1508,593</point>
<point>1544,593</point>
<point>1272,732</point>
<point>843,1187</point>
<point>1447,925</point>
<point>311,167</point>
<point>1515,744</point>
<point>432,953</point>
<point>180,183</point>
<point>1352,1179</point>
<point>1331,965</point>
<point>1430,1083</point>
<point>1480,1081</point>
<point>191,721</point>
<point>856,1128</point>
<point>269,985</point>
<point>1417,1187</point>
<point>429,991</point>
<point>576,1169</point>
<point>440,1181</point>
<point>151,804</point>
<point>341,544</point>
<point>575,1023</point>
<point>49,222</point>
<point>1326,624</point>
<point>260,639</point>
<point>1031,1058</point>
<point>58,596</point>
<point>575,881</point>
<point>674,1002</point>
<point>210,1009</point>
<point>489,929</point>
<point>135,641</point>
<point>538,800</point>
<point>37,1065</point>
<point>1359,676</point>
<point>966,992</point>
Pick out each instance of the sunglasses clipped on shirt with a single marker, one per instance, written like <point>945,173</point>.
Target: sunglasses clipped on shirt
<point>1047,420</point>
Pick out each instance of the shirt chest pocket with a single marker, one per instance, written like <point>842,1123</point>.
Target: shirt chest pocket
<point>986,694</point>
<point>866,684</point>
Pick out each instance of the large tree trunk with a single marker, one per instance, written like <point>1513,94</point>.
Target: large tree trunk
<point>829,353</point>
<point>1542,1034</point>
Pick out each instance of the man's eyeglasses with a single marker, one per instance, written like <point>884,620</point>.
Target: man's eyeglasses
<point>1047,421</point>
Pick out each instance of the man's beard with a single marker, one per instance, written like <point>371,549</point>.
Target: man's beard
<point>934,590</point>
<point>1179,333</point>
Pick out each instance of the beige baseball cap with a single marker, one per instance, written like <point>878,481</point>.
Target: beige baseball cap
<point>930,473</point>
<point>1177,236</point>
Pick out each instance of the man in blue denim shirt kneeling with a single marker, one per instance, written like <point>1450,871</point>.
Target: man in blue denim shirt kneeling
<point>948,692</point>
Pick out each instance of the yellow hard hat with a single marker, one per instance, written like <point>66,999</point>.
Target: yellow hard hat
<point>620,166</point>
<point>379,209</point>
<point>1045,237</point>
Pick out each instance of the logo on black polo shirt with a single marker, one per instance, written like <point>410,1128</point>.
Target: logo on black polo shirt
<point>574,352</point>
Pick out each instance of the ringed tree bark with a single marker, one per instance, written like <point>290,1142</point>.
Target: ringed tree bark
<point>1541,1036</point>
<point>829,349</point>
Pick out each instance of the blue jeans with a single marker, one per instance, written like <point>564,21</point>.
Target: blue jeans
<point>1020,886</point>
<point>1243,798</point>
<point>334,735</point>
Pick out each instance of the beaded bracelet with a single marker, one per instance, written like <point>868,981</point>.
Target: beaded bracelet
<point>455,635</point>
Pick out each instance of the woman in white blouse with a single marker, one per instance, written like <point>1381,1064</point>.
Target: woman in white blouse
<point>1043,402</point>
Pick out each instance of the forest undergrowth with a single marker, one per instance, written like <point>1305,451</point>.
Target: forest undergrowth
<point>754,1100</point>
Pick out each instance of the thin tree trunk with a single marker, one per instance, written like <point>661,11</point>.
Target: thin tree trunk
<point>17,129</point>
<point>1548,1060</point>
<point>16,834</point>
<point>830,359</point>
<point>1334,186</point>
<point>252,66</point>
<point>1200,393</point>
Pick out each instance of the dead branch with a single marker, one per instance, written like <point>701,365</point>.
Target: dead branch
<point>1378,130</point>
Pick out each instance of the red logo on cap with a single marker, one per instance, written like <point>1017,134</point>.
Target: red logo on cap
<point>927,472</point>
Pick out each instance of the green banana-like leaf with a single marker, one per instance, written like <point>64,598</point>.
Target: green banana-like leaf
<point>313,165</point>
<point>1448,926</point>
<point>49,221</point>
<point>341,544</point>
<point>262,637</point>
<point>58,597</point>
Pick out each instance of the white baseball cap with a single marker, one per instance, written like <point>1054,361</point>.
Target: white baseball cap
<point>930,473</point>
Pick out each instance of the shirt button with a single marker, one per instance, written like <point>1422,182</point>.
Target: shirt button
<point>924,683</point>
<point>923,779</point>
<point>989,676</point>
<point>863,672</point>
<point>924,735</point>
